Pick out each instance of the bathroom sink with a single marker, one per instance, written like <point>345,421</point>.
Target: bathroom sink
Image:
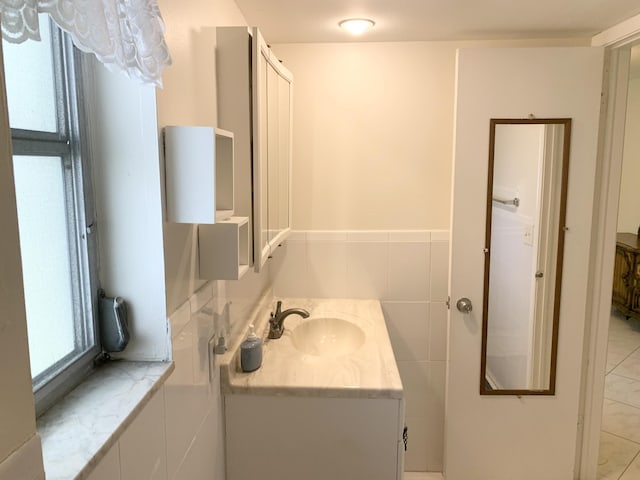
<point>330,337</point>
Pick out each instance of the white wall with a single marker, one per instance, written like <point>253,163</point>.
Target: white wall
<point>17,415</point>
<point>629,213</point>
<point>189,98</point>
<point>373,133</point>
<point>143,450</point>
<point>126,173</point>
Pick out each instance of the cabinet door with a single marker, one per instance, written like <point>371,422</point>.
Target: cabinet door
<point>279,157</point>
<point>272,91</point>
<point>633,284</point>
<point>260,67</point>
<point>273,149</point>
<point>621,274</point>
<point>285,94</point>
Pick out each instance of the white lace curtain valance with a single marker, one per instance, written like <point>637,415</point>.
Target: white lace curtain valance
<point>125,35</point>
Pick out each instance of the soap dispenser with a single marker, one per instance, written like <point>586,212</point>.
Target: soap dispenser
<point>251,352</point>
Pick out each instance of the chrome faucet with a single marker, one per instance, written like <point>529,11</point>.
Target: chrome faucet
<point>276,320</point>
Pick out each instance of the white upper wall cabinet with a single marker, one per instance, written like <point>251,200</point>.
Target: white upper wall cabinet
<point>199,174</point>
<point>255,94</point>
<point>272,102</point>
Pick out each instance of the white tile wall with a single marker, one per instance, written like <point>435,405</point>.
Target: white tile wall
<point>415,380</point>
<point>201,460</point>
<point>438,314</point>
<point>192,399</point>
<point>291,275</point>
<point>142,445</point>
<point>109,466</point>
<point>179,434</point>
<point>327,267</point>
<point>408,272</point>
<point>415,459</point>
<point>439,272</point>
<point>24,463</point>
<point>408,326</point>
<point>366,270</point>
<point>435,416</point>
<point>182,401</point>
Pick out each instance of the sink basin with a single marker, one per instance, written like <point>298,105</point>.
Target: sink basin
<point>331,337</point>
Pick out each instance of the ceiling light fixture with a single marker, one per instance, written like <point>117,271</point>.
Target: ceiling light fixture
<point>356,26</point>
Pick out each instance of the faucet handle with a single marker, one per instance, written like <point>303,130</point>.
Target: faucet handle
<point>278,309</point>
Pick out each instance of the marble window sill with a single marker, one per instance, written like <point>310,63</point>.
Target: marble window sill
<point>80,429</point>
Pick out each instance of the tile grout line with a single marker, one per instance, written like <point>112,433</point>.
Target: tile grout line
<point>623,403</point>
<point>628,465</point>
<point>622,438</point>
<point>624,376</point>
<point>621,362</point>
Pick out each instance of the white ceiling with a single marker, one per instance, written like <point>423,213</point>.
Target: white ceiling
<point>311,21</point>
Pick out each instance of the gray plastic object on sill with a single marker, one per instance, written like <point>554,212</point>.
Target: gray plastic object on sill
<point>114,323</point>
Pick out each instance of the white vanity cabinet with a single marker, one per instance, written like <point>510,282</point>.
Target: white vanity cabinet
<point>255,93</point>
<point>316,410</point>
<point>313,438</point>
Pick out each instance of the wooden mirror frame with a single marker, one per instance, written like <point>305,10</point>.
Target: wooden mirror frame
<point>566,122</point>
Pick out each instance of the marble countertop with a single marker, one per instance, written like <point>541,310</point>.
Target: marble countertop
<point>80,429</point>
<point>369,372</point>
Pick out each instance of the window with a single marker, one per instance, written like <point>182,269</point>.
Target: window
<point>55,209</point>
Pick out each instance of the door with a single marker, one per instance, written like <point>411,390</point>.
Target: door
<point>506,437</point>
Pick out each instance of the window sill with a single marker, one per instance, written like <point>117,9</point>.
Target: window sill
<point>80,429</point>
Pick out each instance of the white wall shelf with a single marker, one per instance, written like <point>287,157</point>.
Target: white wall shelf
<point>199,174</point>
<point>224,249</point>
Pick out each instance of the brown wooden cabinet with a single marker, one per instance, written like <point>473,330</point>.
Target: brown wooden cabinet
<point>626,275</point>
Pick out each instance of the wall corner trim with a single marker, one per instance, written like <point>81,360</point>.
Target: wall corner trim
<point>624,32</point>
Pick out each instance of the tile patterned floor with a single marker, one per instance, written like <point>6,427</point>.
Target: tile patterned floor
<point>619,457</point>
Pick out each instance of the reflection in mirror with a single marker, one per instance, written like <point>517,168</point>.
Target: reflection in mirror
<point>527,183</point>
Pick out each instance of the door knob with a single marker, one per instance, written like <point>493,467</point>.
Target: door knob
<point>464,305</point>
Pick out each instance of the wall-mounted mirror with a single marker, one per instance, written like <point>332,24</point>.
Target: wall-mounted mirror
<point>526,203</point>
